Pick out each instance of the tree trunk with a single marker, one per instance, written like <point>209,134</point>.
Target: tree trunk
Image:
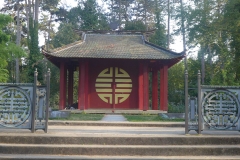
<point>36,10</point>
<point>27,7</point>
<point>203,67</point>
<point>18,41</point>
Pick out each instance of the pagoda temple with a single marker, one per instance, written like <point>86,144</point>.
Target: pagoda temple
<point>114,72</point>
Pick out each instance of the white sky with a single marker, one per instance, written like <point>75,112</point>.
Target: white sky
<point>177,46</point>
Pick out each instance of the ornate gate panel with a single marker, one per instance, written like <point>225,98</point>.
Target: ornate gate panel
<point>24,105</point>
<point>220,107</point>
<point>16,106</point>
<point>217,108</point>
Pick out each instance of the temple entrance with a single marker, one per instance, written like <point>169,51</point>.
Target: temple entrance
<point>114,72</point>
<point>113,86</point>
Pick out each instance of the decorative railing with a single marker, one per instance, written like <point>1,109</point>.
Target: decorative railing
<point>216,108</point>
<point>25,105</point>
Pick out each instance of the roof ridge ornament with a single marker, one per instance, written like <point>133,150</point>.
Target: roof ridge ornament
<point>124,32</point>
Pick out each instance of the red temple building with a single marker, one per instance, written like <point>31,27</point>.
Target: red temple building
<point>114,72</point>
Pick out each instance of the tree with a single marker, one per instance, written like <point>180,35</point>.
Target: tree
<point>89,15</point>
<point>65,35</point>
<point>8,49</point>
<point>232,19</point>
<point>120,12</point>
<point>35,58</point>
<point>159,37</point>
<point>213,26</point>
<point>136,25</point>
<point>176,89</point>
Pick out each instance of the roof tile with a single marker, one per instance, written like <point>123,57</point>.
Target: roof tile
<point>113,46</point>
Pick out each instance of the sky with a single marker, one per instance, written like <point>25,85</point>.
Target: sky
<point>176,46</point>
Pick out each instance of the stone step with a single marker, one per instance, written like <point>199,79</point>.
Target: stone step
<point>121,140</point>
<point>76,157</point>
<point>115,123</point>
<point>122,150</point>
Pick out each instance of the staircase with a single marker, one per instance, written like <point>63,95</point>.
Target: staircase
<point>107,142</point>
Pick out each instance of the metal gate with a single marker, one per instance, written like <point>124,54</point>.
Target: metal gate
<point>216,108</point>
<point>25,105</point>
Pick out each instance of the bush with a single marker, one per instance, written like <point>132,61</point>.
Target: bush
<point>173,108</point>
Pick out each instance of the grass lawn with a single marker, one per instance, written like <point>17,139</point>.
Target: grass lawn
<point>149,118</point>
<point>82,117</point>
<point>129,117</point>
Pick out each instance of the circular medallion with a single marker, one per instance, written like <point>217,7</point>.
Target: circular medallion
<point>220,109</point>
<point>15,106</point>
<point>113,85</point>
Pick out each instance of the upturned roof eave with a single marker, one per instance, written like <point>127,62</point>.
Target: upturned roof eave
<point>164,49</point>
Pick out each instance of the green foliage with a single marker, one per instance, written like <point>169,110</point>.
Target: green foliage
<point>213,25</point>
<point>82,117</point>
<point>173,108</point>
<point>148,118</point>
<point>54,85</point>
<point>50,5</point>
<point>176,83</point>
<point>65,35</point>
<point>87,16</point>
<point>8,49</point>
<point>136,25</point>
<point>35,58</point>
<point>159,37</point>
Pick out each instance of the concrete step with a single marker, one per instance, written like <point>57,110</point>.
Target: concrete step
<point>109,142</point>
<point>115,123</point>
<point>121,140</point>
<point>76,157</point>
<point>122,150</point>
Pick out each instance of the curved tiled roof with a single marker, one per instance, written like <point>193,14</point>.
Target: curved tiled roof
<point>113,46</point>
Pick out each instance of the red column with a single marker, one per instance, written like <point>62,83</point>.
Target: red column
<point>81,86</point>
<point>86,85</point>
<point>63,75</point>
<point>164,88</point>
<point>154,89</point>
<point>145,87</point>
<point>70,86</point>
<point>140,87</point>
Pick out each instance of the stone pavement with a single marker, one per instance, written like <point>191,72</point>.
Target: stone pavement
<point>113,118</point>
<point>127,140</point>
<point>67,157</point>
<point>108,130</point>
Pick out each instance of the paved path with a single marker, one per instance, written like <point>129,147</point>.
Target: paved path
<point>113,118</point>
<point>109,131</point>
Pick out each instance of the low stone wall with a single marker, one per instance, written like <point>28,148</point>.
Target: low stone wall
<point>59,114</point>
<point>172,115</point>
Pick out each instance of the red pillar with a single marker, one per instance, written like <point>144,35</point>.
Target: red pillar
<point>86,85</point>
<point>140,87</point>
<point>145,87</point>
<point>70,86</point>
<point>164,88</point>
<point>63,75</point>
<point>81,87</point>
<point>154,89</point>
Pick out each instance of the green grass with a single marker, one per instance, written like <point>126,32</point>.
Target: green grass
<point>130,118</point>
<point>149,118</point>
<point>82,117</point>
